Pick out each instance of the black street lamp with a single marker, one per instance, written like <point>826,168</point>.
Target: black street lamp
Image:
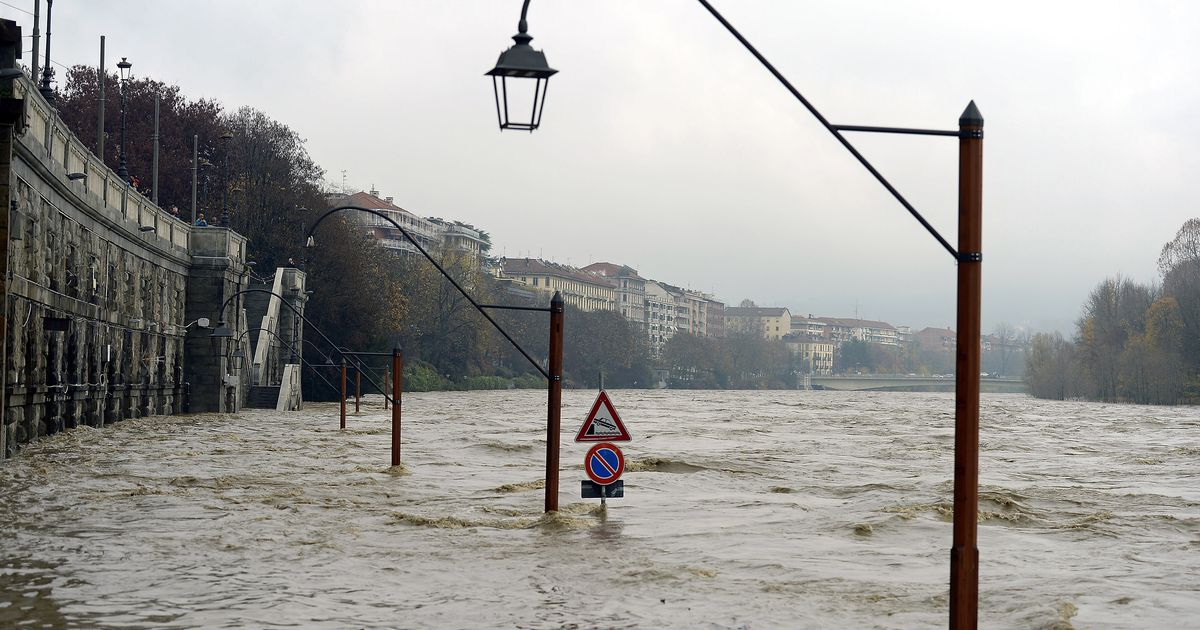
<point>47,72</point>
<point>123,66</point>
<point>964,552</point>
<point>224,220</point>
<point>521,61</point>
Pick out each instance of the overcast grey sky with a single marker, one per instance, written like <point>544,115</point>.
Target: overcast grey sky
<point>667,147</point>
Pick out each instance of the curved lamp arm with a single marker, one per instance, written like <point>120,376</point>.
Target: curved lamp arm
<point>276,336</point>
<point>310,242</point>
<point>222,331</point>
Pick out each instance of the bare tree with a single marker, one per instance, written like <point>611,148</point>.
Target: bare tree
<point>1005,335</point>
<point>1183,248</point>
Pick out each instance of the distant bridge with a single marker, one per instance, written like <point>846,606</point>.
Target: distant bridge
<point>901,383</point>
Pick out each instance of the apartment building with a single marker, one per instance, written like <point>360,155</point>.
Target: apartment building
<point>815,355</point>
<point>843,329</point>
<point>630,288</point>
<point>431,233</point>
<point>771,322</point>
<point>810,327</point>
<point>660,316</point>
<point>936,338</point>
<point>582,289</point>
<point>716,317</point>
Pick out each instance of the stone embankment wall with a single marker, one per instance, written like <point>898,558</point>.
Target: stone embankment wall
<point>102,288</point>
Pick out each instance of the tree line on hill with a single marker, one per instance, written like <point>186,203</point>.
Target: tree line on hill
<point>1134,342</point>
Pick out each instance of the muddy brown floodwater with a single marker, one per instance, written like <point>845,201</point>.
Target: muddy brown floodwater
<point>742,510</point>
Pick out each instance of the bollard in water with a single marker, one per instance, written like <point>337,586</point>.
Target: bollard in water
<point>387,377</point>
<point>357,388</point>
<point>554,401</point>
<point>343,393</point>
<point>397,387</point>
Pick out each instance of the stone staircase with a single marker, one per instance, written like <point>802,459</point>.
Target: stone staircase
<point>262,397</point>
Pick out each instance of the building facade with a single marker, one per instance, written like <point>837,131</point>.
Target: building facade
<point>584,290</point>
<point>814,355</point>
<point>660,316</point>
<point>770,322</point>
<point>431,233</point>
<point>843,329</point>
<point>630,288</point>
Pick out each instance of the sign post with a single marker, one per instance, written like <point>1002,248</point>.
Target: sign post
<point>604,462</point>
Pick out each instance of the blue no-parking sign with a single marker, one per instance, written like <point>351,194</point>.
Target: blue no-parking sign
<point>604,463</point>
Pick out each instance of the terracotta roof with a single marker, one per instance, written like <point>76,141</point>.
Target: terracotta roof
<point>612,270</point>
<point>367,200</point>
<point>755,311</point>
<point>849,322</point>
<point>537,267</point>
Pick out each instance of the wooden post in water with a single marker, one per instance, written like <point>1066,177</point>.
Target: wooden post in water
<point>964,555</point>
<point>554,401</point>
<point>343,392</point>
<point>397,392</point>
<point>357,388</point>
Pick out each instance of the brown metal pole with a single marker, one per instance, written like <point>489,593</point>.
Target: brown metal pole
<point>387,376</point>
<point>397,392</point>
<point>343,393</point>
<point>554,401</point>
<point>357,388</point>
<point>964,555</point>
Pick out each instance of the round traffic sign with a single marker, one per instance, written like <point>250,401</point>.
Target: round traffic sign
<point>604,463</point>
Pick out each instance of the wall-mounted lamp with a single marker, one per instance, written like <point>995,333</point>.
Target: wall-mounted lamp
<point>238,359</point>
<point>146,228</point>
<point>203,322</point>
<point>76,176</point>
<point>221,332</point>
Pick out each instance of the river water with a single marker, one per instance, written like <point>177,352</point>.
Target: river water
<point>742,510</point>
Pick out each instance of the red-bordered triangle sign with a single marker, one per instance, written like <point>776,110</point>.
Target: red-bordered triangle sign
<point>603,424</point>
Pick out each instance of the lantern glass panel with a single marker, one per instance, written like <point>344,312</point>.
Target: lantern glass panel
<point>520,101</point>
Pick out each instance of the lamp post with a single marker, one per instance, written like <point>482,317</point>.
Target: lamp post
<point>224,221</point>
<point>123,66</point>
<point>964,553</point>
<point>47,72</point>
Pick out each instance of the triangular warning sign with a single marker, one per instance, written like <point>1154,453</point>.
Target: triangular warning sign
<point>603,424</point>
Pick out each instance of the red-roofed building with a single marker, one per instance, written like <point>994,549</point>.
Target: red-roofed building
<point>430,233</point>
<point>630,287</point>
<point>582,289</point>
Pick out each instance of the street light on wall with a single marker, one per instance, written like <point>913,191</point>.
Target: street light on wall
<point>221,332</point>
<point>224,220</point>
<point>124,67</point>
<point>47,72</point>
<point>521,63</point>
<point>964,553</point>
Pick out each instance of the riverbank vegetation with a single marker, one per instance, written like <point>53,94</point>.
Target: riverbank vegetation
<point>1134,342</point>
